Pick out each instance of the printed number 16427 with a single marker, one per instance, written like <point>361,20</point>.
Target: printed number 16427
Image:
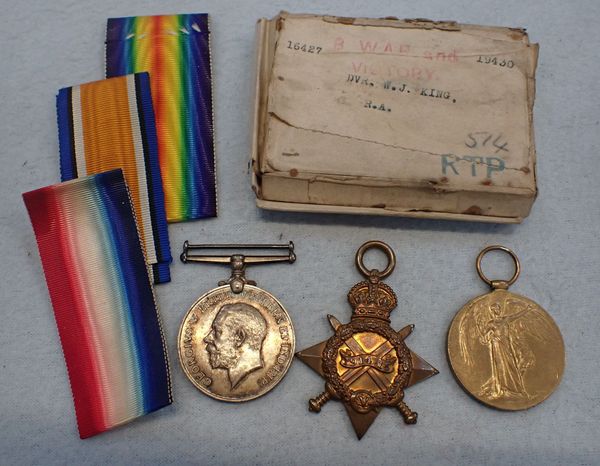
<point>298,46</point>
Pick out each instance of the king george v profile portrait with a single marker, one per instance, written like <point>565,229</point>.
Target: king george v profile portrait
<point>235,341</point>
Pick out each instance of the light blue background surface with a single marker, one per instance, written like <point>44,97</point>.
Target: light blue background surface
<point>48,45</point>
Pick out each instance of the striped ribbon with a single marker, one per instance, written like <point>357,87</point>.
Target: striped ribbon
<point>109,124</point>
<point>102,298</point>
<point>176,51</point>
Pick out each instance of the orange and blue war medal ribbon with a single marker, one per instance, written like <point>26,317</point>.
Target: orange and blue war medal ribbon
<point>107,125</point>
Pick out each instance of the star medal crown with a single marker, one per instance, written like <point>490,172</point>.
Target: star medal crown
<point>366,364</point>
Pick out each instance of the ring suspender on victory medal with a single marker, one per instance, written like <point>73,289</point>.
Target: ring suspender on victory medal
<point>237,341</point>
<point>504,349</point>
<point>366,363</point>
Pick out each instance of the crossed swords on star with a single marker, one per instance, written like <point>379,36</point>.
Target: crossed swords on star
<point>351,375</point>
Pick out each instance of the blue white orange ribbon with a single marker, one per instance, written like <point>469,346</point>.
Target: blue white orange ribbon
<point>109,124</point>
<point>175,49</point>
<point>102,298</point>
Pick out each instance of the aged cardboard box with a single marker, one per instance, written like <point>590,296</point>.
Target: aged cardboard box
<point>382,116</point>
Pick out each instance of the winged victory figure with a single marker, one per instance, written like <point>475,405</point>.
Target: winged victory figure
<point>505,328</point>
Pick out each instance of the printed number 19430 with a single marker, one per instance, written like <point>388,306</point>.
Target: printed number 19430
<point>487,60</point>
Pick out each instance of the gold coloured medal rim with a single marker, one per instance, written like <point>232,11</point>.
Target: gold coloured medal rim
<point>453,330</point>
<point>214,395</point>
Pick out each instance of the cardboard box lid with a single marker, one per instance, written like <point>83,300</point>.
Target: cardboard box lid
<point>402,103</point>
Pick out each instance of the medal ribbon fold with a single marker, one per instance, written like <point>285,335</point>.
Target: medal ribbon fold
<point>103,302</point>
<point>175,50</point>
<point>109,124</point>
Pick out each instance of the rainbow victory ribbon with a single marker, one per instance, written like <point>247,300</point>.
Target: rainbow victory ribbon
<point>102,297</point>
<point>175,50</point>
<point>109,124</point>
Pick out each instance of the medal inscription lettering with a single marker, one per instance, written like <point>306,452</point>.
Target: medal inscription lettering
<point>190,360</point>
<point>236,347</point>
<point>350,360</point>
<point>283,359</point>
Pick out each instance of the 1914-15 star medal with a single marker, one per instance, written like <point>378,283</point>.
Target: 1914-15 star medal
<point>366,363</point>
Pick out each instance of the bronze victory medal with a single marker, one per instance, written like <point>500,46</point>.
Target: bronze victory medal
<point>366,363</point>
<point>237,341</point>
<point>504,349</point>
